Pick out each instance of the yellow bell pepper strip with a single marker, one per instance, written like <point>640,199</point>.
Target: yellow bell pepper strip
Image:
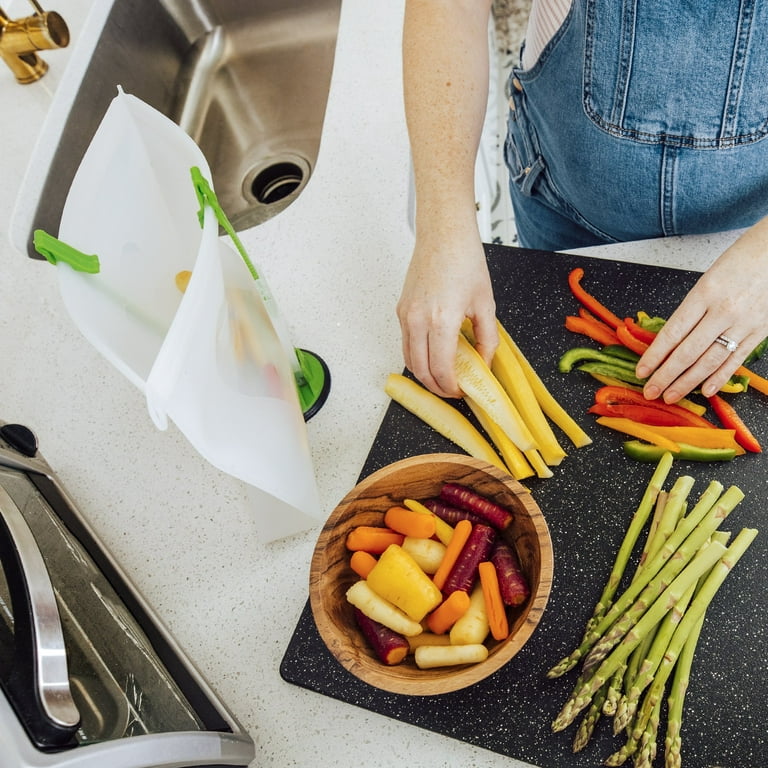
<point>640,431</point>
<point>640,451</point>
<point>728,417</point>
<point>588,301</point>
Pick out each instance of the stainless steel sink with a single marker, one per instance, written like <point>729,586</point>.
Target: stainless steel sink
<point>247,79</point>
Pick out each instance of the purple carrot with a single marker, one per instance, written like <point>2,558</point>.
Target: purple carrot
<point>451,515</point>
<point>389,647</point>
<point>464,498</point>
<point>513,585</point>
<point>478,548</point>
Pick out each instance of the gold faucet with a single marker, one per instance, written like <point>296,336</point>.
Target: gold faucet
<point>21,39</point>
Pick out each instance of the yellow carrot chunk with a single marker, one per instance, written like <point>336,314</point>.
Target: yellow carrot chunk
<point>398,579</point>
<point>429,656</point>
<point>473,626</point>
<point>377,608</point>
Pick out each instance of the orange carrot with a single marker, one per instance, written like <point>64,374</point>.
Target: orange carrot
<point>452,551</point>
<point>494,605</point>
<point>448,612</point>
<point>373,539</point>
<point>362,562</point>
<point>755,381</point>
<point>410,523</point>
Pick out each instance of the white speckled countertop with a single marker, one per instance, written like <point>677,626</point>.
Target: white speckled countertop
<point>181,529</point>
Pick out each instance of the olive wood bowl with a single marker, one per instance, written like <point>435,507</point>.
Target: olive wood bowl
<point>421,477</point>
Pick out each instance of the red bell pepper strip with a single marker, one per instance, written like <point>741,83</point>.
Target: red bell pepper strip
<point>640,333</point>
<point>629,341</point>
<point>626,396</point>
<point>642,414</point>
<point>731,420</point>
<point>594,328</point>
<point>588,301</point>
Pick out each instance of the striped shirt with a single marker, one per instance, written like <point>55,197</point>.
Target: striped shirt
<point>545,18</point>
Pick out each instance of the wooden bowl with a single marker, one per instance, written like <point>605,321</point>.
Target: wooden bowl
<point>421,477</point>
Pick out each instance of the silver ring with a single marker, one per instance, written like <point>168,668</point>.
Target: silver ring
<point>729,344</point>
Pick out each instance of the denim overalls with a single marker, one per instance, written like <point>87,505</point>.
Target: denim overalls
<point>642,118</point>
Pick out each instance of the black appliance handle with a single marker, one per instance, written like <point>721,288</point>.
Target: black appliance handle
<point>37,680</point>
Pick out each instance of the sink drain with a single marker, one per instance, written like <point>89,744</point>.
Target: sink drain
<point>277,180</point>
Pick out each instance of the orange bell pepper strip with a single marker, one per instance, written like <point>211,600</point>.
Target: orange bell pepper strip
<point>640,333</point>
<point>702,437</point>
<point>588,301</point>
<point>640,431</point>
<point>728,417</point>
<point>629,340</point>
<point>755,381</point>
<point>595,329</point>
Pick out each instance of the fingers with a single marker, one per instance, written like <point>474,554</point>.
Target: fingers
<point>697,360</point>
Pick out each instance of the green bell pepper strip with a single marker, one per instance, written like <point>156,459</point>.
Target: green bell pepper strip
<point>641,451</point>
<point>619,373</point>
<point>621,352</point>
<point>575,355</point>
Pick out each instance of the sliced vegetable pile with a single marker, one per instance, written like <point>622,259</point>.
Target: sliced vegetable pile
<point>436,579</point>
<point>680,428</point>
<point>509,401</point>
<point>640,643</point>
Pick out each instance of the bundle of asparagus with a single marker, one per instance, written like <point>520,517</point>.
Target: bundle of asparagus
<point>641,643</point>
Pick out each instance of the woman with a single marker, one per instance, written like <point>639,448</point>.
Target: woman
<point>627,121</point>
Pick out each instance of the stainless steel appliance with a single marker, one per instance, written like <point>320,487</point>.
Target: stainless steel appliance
<point>89,677</point>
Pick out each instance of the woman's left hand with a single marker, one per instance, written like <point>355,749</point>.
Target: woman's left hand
<point>728,302</point>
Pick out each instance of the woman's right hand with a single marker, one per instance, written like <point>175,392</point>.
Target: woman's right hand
<point>446,282</point>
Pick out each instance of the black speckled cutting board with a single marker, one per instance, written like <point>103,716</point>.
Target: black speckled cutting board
<point>587,504</point>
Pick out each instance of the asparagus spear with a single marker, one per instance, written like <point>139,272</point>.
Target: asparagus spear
<point>636,525</point>
<point>673,740</point>
<point>651,662</point>
<point>582,695</point>
<point>688,549</point>
<point>687,629</point>
<point>700,523</point>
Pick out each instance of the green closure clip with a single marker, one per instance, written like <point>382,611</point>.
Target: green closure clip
<point>57,251</point>
<point>313,379</point>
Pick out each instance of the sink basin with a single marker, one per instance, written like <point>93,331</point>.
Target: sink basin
<point>248,80</point>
